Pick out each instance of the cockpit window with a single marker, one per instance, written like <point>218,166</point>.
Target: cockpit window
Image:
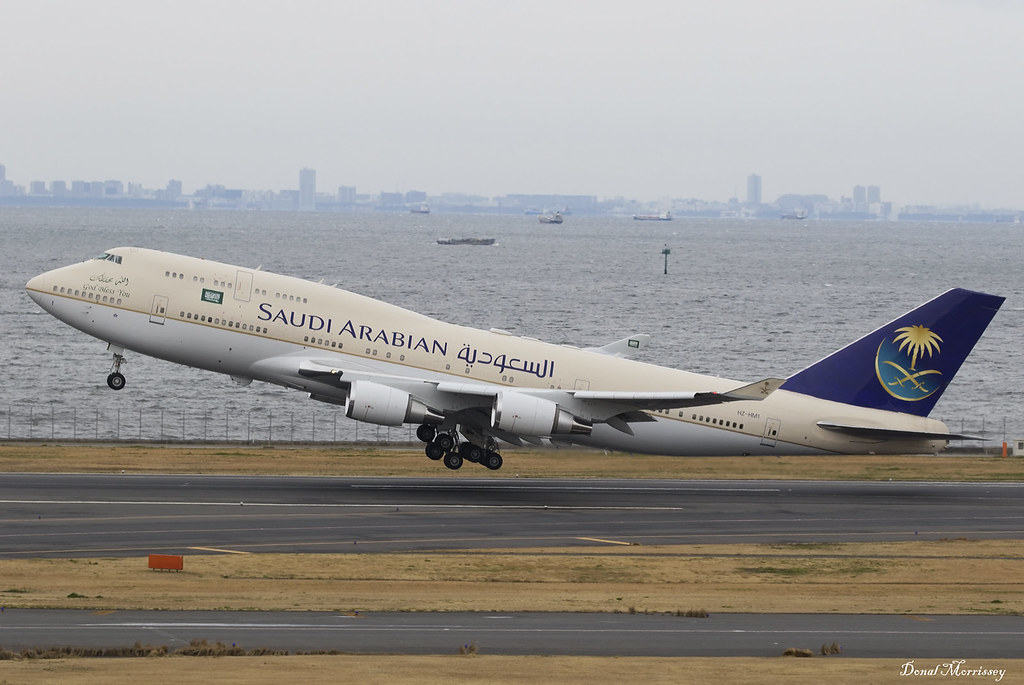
<point>109,257</point>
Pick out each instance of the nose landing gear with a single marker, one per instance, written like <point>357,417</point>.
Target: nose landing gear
<point>116,379</point>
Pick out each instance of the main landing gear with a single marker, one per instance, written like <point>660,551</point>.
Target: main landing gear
<point>116,379</point>
<point>446,446</point>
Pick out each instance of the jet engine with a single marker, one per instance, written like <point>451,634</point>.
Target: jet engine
<point>387,406</point>
<point>524,414</point>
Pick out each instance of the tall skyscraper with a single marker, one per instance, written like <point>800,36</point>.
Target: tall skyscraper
<point>753,189</point>
<point>874,194</point>
<point>307,190</point>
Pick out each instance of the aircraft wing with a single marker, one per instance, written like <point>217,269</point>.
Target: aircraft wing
<point>382,398</point>
<point>672,400</point>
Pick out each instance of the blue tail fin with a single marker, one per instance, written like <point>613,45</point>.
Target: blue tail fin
<point>905,365</point>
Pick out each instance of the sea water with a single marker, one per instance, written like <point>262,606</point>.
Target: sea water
<point>741,299</point>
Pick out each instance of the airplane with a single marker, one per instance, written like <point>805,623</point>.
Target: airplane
<point>468,389</point>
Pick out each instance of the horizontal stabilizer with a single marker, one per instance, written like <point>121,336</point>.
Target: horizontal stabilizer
<point>626,348</point>
<point>893,433</point>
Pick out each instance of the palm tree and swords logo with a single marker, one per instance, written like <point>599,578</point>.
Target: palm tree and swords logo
<point>897,360</point>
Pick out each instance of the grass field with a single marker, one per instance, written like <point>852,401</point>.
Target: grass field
<point>370,460</point>
<point>946,576</point>
<point>938,577</point>
<point>483,669</point>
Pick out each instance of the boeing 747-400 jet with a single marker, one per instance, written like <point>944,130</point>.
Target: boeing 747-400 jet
<point>468,389</point>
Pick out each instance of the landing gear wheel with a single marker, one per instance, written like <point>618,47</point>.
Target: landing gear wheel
<point>116,379</point>
<point>471,452</point>
<point>426,432</point>
<point>492,460</point>
<point>434,451</point>
<point>446,442</point>
<point>453,460</point>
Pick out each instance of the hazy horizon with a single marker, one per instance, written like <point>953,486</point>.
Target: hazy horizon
<point>646,100</point>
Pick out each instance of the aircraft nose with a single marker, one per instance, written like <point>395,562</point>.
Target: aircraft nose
<point>37,288</point>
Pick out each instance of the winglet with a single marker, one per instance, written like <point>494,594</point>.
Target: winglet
<point>627,347</point>
<point>755,391</point>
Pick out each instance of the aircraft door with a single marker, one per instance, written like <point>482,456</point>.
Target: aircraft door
<point>158,314</point>
<point>771,432</point>
<point>243,286</point>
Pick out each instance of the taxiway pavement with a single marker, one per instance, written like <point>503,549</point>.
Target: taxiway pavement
<point>966,637</point>
<point>48,515</point>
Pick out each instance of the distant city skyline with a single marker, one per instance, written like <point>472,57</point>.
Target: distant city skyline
<point>864,202</point>
<point>306,186</point>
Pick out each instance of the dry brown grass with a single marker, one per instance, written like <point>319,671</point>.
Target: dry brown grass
<point>477,669</point>
<point>948,577</point>
<point>369,460</point>
<point>443,670</point>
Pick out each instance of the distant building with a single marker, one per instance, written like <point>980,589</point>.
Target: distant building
<point>874,194</point>
<point>307,190</point>
<point>346,195</point>
<point>860,195</point>
<point>173,190</point>
<point>753,189</point>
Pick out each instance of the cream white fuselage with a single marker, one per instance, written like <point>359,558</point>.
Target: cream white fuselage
<point>256,325</point>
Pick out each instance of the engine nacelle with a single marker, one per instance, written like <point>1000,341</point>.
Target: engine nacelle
<point>524,414</point>
<point>387,406</point>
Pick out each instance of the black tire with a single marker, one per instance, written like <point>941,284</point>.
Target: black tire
<point>492,460</point>
<point>434,451</point>
<point>116,381</point>
<point>446,442</point>
<point>471,452</point>
<point>426,432</point>
<point>453,460</point>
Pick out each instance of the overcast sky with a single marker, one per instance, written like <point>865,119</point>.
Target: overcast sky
<point>641,98</point>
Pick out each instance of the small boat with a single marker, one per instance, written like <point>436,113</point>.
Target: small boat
<point>798,214</point>
<point>664,216</point>
<point>553,218</point>
<point>424,208</point>
<point>465,241</point>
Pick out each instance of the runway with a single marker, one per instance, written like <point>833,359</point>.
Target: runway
<point>938,637</point>
<point>44,515</point>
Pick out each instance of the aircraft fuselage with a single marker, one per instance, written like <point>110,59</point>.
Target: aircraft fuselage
<point>255,325</point>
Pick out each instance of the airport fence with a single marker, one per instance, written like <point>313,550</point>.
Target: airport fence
<point>54,421</point>
<point>51,422</point>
